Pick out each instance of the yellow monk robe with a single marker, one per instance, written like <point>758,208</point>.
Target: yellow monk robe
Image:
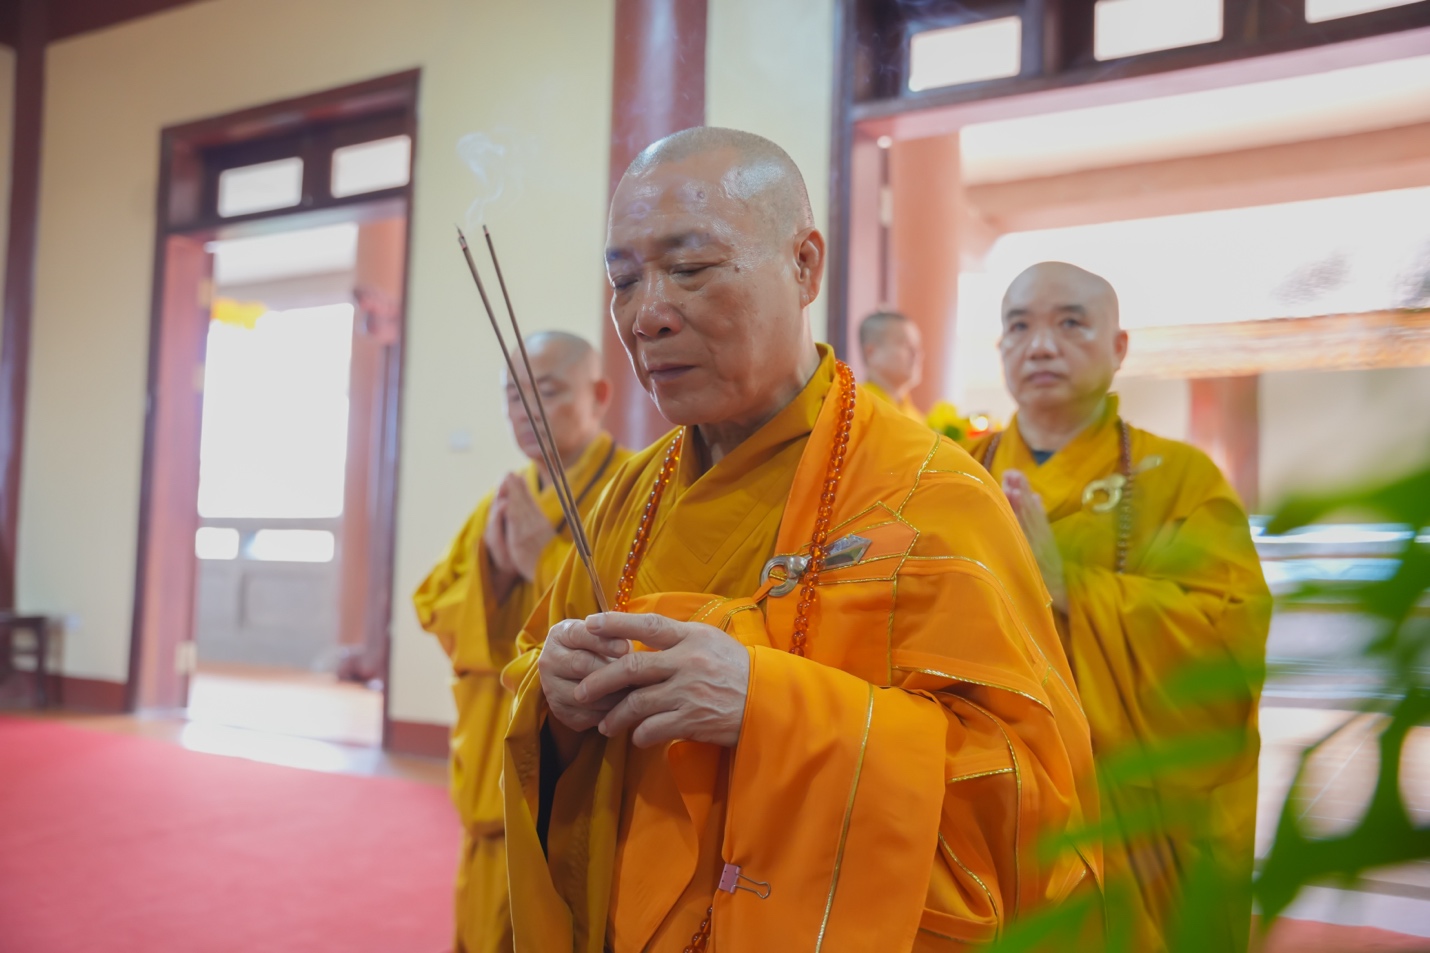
<point>1191,595</point>
<point>891,788</point>
<point>905,406</point>
<point>479,635</point>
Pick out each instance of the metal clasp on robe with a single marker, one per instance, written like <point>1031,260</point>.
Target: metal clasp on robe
<point>1109,488</point>
<point>1102,496</point>
<point>847,551</point>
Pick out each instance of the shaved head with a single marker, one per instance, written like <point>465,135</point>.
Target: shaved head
<point>1072,283</point>
<point>568,375</point>
<point>1062,340</point>
<point>760,173</point>
<point>564,350</point>
<point>892,348</point>
<point>713,258</point>
<point>872,328</point>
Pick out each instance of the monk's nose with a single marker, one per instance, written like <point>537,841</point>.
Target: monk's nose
<point>1043,344</point>
<point>655,312</point>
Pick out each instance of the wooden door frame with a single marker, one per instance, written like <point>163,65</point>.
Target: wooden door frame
<point>180,212</point>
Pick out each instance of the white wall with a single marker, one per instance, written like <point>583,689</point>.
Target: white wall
<point>1324,430</point>
<point>1160,405</point>
<point>534,75</point>
<point>769,69</point>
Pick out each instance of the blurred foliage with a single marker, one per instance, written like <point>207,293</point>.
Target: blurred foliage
<point>1399,700</point>
<point>946,419</point>
<point>1386,834</point>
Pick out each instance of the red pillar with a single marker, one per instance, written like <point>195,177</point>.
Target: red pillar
<point>20,278</point>
<point>1226,424</point>
<point>658,88</point>
<point>926,185</point>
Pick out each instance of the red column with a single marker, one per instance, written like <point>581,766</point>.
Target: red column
<point>20,277</point>
<point>1226,424</point>
<point>926,182</point>
<point>658,88</point>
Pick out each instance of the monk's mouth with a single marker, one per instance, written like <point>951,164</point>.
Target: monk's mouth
<point>1044,377</point>
<point>665,375</point>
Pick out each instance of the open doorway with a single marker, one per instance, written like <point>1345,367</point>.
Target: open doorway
<point>264,594</point>
<point>288,412</point>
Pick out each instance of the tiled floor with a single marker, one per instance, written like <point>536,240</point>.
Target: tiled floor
<point>263,746</point>
<point>286,702</point>
<point>278,716</point>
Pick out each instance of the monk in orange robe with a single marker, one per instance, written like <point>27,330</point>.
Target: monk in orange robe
<point>1148,556</point>
<point>829,710</point>
<point>476,600</point>
<point>893,352</point>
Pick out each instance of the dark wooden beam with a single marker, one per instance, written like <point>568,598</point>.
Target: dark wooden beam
<point>20,278</point>
<point>1066,36</point>
<point>72,17</point>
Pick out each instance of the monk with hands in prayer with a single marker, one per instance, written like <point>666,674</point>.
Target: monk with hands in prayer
<point>1155,584</point>
<point>476,599</point>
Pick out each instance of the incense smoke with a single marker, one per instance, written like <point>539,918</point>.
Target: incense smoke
<point>495,162</point>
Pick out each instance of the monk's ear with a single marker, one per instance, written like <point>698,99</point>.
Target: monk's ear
<point>602,394</point>
<point>1119,347</point>
<point>809,265</point>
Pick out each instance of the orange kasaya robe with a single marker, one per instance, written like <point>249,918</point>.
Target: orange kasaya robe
<point>1191,598</point>
<point>890,790</point>
<point>905,406</point>
<point>479,634</point>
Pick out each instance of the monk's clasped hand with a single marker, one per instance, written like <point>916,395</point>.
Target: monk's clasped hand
<point>528,530</point>
<point>692,687</point>
<point>570,654</point>
<point>1028,507</point>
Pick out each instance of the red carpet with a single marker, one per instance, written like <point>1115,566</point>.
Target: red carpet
<point>129,845</point>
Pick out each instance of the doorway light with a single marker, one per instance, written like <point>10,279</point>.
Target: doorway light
<point>216,542</point>
<point>261,187</point>
<point>967,53</point>
<point>1320,10</point>
<point>261,258</point>
<point>274,433</point>
<point>371,166</point>
<point>292,546</point>
<point>1132,27</point>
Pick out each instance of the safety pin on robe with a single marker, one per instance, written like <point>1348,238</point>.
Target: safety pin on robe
<point>730,879</point>
<point>847,551</point>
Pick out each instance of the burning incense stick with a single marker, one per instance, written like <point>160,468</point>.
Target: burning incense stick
<point>540,426</point>
<point>578,529</point>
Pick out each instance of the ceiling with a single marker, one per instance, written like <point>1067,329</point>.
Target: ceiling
<point>1314,106</point>
<point>66,18</point>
